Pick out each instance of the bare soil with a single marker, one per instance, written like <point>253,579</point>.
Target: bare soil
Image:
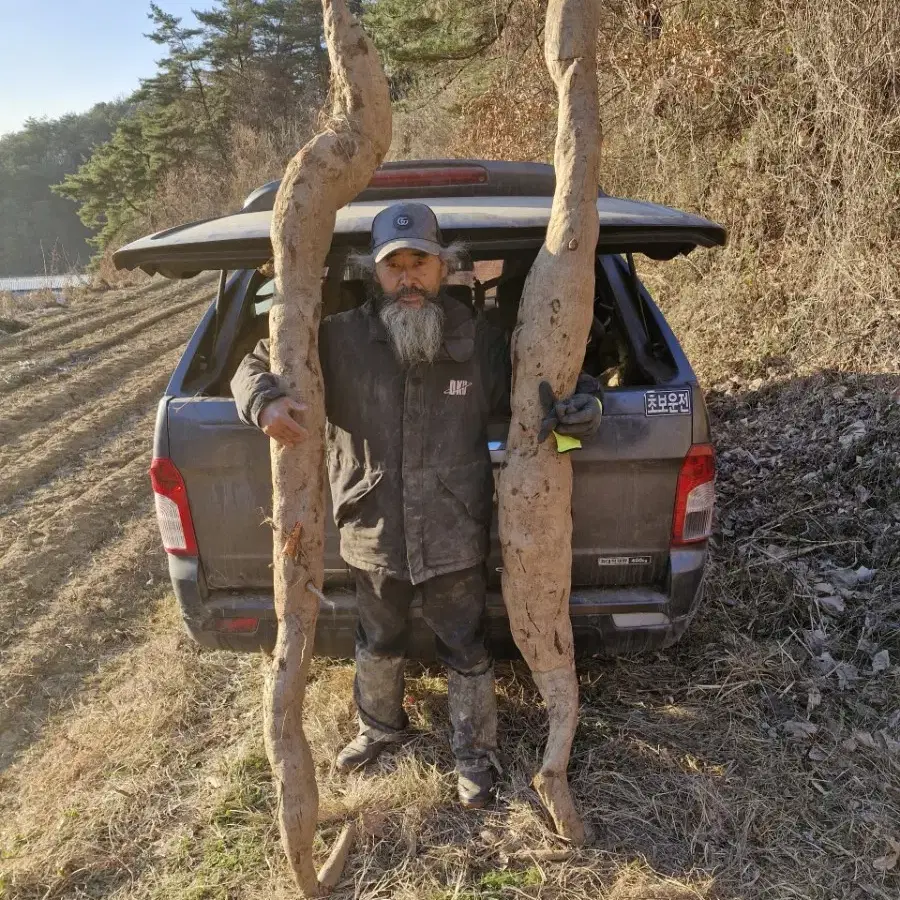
<point>79,396</point>
<point>758,759</point>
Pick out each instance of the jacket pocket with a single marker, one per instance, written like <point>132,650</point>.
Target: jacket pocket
<point>348,499</point>
<point>472,485</point>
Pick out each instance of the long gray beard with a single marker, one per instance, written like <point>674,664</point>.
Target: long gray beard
<point>416,334</point>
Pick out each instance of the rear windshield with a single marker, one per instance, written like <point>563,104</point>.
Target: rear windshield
<point>493,289</point>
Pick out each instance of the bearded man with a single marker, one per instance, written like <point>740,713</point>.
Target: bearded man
<point>411,380</point>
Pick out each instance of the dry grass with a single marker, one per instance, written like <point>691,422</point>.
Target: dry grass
<point>203,190</point>
<point>18,311</point>
<point>780,120</point>
<point>208,188</point>
<point>106,276</point>
<point>21,311</point>
<point>760,759</point>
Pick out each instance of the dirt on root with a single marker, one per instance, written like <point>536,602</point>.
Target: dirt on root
<point>760,758</point>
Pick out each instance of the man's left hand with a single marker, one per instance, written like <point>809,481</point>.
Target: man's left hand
<point>577,416</point>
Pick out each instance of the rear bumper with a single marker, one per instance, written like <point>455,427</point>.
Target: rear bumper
<point>605,621</point>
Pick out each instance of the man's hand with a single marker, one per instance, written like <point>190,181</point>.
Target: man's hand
<point>276,420</point>
<point>578,416</point>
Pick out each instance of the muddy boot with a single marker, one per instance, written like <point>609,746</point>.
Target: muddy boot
<point>475,788</point>
<point>366,747</point>
<point>473,719</point>
<point>378,691</point>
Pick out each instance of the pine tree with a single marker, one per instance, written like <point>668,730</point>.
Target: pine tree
<point>433,37</point>
<point>40,231</point>
<point>247,62</point>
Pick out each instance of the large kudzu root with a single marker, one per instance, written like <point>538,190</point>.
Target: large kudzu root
<point>324,176</point>
<point>535,488</point>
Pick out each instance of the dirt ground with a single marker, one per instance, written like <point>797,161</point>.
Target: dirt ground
<point>758,759</point>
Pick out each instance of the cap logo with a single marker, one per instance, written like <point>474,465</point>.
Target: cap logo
<point>402,222</point>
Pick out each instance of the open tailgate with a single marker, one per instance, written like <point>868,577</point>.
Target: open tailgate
<point>490,224</point>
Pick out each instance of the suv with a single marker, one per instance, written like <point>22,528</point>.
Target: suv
<point>642,502</point>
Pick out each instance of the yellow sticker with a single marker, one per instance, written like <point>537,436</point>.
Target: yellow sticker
<point>564,443</point>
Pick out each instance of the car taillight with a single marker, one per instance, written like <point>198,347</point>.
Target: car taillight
<point>695,496</point>
<point>242,625</point>
<point>172,510</point>
<point>429,176</point>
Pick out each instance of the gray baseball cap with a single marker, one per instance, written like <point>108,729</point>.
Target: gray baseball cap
<point>406,226</point>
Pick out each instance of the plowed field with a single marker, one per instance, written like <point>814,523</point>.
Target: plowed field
<point>759,759</point>
<point>78,541</point>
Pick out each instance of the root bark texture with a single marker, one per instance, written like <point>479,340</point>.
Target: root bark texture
<point>325,175</point>
<point>535,488</point>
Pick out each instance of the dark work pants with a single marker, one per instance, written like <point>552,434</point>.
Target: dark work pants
<point>453,605</point>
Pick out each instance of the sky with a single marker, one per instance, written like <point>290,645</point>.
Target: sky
<point>61,56</point>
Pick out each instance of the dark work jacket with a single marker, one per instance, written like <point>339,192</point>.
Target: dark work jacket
<point>408,462</point>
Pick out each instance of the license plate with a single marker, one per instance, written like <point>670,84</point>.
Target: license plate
<point>668,403</point>
<point>625,560</point>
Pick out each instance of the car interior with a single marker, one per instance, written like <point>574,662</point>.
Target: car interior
<point>493,290</point>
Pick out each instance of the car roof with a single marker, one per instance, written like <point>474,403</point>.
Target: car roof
<point>491,225</point>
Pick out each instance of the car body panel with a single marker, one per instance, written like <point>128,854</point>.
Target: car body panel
<point>631,464</point>
<point>605,621</point>
<point>622,511</point>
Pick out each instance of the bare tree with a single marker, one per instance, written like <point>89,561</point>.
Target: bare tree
<point>535,486</point>
<point>324,176</point>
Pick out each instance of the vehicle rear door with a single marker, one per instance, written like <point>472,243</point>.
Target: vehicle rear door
<point>225,465</point>
<point>626,476</point>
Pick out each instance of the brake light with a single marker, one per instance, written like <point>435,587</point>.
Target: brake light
<point>695,496</point>
<point>240,625</point>
<point>429,176</point>
<point>172,510</point>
